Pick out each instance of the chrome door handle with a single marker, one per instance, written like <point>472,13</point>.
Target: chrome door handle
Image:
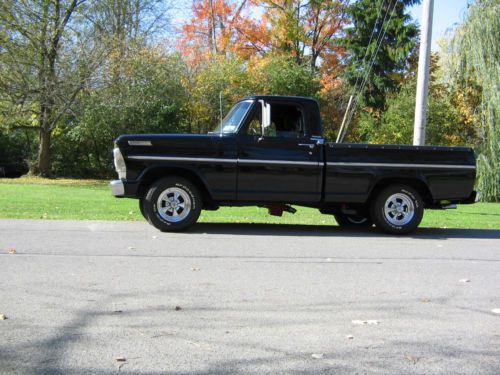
<point>310,145</point>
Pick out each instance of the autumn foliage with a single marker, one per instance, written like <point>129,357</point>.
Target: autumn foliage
<point>269,34</point>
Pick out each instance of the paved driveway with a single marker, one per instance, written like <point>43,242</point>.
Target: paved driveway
<point>227,299</point>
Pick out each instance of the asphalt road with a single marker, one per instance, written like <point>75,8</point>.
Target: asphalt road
<point>251,298</point>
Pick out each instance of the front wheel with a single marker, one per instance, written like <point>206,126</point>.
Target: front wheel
<point>141,208</point>
<point>398,209</point>
<point>172,204</point>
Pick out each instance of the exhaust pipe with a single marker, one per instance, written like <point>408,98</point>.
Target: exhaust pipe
<point>449,207</point>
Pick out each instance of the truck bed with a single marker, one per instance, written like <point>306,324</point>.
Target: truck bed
<point>353,170</point>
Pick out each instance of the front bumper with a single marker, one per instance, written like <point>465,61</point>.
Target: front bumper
<point>117,188</point>
<point>125,188</point>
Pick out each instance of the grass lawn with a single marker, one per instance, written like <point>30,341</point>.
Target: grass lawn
<point>35,198</point>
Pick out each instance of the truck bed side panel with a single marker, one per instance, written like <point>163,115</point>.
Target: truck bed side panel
<point>353,170</point>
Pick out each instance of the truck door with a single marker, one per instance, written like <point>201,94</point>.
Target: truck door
<point>278,161</point>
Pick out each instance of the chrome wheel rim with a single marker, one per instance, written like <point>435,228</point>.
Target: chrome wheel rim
<point>399,209</point>
<point>174,204</point>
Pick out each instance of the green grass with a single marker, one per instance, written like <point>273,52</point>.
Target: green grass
<point>35,198</point>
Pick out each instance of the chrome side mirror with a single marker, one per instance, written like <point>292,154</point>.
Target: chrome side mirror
<point>266,116</point>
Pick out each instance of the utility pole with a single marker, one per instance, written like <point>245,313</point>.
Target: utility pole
<point>340,136</point>
<point>424,60</point>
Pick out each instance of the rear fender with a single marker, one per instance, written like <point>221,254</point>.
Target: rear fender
<point>418,182</point>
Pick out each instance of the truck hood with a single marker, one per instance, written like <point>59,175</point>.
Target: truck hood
<point>178,145</point>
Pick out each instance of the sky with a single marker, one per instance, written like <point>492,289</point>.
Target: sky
<point>446,14</point>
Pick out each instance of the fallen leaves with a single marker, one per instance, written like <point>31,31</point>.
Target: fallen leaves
<point>412,359</point>
<point>122,361</point>
<point>365,322</point>
<point>317,355</point>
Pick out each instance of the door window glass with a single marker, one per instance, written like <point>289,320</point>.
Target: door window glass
<point>287,121</point>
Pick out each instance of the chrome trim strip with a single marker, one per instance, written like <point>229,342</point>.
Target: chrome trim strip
<point>229,161</point>
<point>400,165</point>
<point>279,162</point>
<point>140,143</point>
<point>177,158</point>
<point>291,162</point>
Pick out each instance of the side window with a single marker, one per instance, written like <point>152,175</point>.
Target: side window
<point>287,121</point>
<point>255,124</point>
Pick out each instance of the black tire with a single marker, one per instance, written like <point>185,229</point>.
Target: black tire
<point>141,207</point>
<point>353,221</point>
<point>397,209</point>
<point>170,214</point>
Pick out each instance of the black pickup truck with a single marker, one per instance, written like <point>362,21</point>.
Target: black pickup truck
<point>269,151</point>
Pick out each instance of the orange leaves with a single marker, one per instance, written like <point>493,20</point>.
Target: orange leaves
<point>219,27</point>
<point>307,31</point>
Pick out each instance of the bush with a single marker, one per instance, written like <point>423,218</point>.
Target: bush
<point>147,96</point>
<point>445,126</point>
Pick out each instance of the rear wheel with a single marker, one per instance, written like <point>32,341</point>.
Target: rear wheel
<point>172,204</point>
<point>344,220</point>
<point>398,209</point>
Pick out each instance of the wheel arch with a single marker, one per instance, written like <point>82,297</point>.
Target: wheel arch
<point>417,183</point>
<point>150,175</point>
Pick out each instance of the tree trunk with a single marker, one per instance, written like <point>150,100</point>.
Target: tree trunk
<point>44,162</point>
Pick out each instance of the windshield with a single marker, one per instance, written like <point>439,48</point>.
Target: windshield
<point>233,119</point>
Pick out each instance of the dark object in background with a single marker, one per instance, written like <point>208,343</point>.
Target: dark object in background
<point>13,170</point>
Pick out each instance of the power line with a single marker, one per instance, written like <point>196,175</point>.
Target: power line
<point>370,41</point>
<point>367,73</point>
<point>363,62</point>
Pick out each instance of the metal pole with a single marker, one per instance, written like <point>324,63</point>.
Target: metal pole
<point>423,74</point>
<point>339,136</point>
<point>220,108</point>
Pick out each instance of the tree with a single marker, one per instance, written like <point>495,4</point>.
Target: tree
<point>281,75</point>
<point>149,97</point>
<point>222,76</point>
<point>211,32</point>
<point>378,45</point>
<point>445,125</point>
<point>306,30</point>
<point>44,64</point>
<point>476,55</point>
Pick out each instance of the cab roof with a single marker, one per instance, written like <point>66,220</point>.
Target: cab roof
<point>281,98</point>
